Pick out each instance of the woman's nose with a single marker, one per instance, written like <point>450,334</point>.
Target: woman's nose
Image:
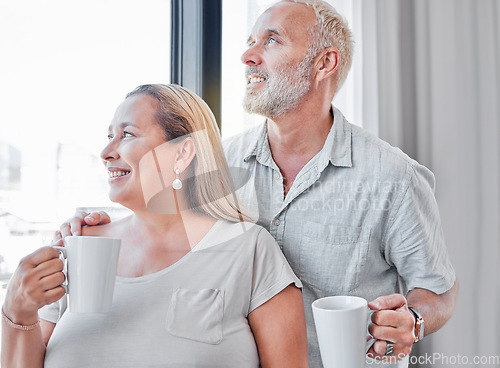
<point>110,152</point>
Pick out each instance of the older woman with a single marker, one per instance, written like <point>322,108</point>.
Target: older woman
<point>196,285</point>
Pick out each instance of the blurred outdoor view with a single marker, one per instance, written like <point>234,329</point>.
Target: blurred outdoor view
<point>65,67</point>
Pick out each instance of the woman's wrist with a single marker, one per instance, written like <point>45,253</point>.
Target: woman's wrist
<point>18,317</point>
<point>25,325</point>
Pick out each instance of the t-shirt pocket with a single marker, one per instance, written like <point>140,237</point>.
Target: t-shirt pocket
<point>196,315</point>
<point>332,258</point>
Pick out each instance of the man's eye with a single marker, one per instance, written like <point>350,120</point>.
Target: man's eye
<point>271,40</point>
<point>110,137</point>
<point>127,134</point>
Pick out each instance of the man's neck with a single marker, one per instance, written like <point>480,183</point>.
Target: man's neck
<point>296,137</point>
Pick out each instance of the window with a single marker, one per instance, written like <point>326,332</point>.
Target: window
<point>65,67</point>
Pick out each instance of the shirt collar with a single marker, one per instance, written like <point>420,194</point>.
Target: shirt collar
<point>259,146</point>
<point>337,148</point>
<point>338,143</point>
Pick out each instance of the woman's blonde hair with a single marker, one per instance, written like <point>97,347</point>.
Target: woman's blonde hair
<point>181,113</point>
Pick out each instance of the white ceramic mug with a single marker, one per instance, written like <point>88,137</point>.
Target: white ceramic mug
<point>341,326</point>
<point>91,272</point>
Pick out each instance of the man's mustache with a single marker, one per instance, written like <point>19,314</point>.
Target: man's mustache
<point>255,70</point>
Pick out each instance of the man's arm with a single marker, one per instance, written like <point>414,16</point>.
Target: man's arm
<point>73,226</point>
<point>413,244</point>
<point>394,322</point>
<point>435,309</point>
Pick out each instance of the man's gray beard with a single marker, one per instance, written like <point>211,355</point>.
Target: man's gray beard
<point>283,91</point>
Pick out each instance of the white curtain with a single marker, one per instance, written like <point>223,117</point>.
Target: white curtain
<point>437,96</point>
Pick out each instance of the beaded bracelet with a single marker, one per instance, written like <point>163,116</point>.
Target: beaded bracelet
<point>19,327</point>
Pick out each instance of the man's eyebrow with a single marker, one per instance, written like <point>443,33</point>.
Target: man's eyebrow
<point>272,31</point>
<point>267,32</point>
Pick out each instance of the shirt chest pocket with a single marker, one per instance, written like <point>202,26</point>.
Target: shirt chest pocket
<point>196,315</point>
<point>332,258</point>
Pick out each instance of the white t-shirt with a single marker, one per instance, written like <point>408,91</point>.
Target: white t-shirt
<point>190,314</point>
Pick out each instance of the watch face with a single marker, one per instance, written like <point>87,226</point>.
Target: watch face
<point>419,325</point>
<point>421,329</point>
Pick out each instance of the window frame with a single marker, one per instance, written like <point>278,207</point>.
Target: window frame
<point>196,55</point>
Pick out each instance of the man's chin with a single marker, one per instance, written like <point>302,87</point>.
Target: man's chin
<point>249,104</point>
<point>252,108</point>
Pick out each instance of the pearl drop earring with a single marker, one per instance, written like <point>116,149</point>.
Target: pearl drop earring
<point>177,183</point>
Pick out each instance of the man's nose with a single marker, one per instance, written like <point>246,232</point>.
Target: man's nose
<point>251,56</point>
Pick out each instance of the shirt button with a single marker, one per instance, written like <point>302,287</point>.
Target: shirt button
<point>276,176</point>
<point>277,222</point>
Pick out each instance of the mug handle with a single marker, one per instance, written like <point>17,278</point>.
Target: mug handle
<point>370,340</point>
<point>63,302</point>
<point>65,256</point>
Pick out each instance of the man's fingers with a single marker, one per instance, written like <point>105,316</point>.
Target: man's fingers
<point>390,318</point>
<point>380,347</point>
<point>378,351</point>
<point>386,333</point>
<point>374,355</point>
<point>386,302</point>
<point>56,237</point>
<point>97,218</point>
<point>73,226</point>
<point>402,337</point>
<point>65,229</point>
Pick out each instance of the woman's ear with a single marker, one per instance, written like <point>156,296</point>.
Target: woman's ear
<point>186,151</point>
<point>327,63</point>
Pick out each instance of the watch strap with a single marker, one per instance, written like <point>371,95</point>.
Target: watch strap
<point>419,324</point>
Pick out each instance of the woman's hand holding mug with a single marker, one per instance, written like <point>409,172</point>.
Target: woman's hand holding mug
<point>35,283</point>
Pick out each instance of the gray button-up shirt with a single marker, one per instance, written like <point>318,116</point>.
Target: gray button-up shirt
<point>360,218</point>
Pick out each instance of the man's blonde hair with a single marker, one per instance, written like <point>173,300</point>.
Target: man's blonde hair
<point>331,30</point>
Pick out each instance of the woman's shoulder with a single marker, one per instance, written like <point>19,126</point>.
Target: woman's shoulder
<point>238,227</point>
<point>245,233</point>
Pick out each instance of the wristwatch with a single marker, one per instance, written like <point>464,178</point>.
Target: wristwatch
<point>419,325</point>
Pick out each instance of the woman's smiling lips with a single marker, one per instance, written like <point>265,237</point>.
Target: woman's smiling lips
<point>117,173</point>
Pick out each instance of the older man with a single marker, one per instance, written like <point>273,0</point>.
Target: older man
<point>353,215</point>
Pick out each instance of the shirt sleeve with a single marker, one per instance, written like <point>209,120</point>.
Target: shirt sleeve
<point>414,241</point>
<point>50,312</point>
<point>271,271</point>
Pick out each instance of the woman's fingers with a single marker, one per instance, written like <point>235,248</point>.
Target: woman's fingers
<point>53,295</point>
<point>52,281</point>
<point>49,267</point>
<point>36,282</point>
<point>39,256</point>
